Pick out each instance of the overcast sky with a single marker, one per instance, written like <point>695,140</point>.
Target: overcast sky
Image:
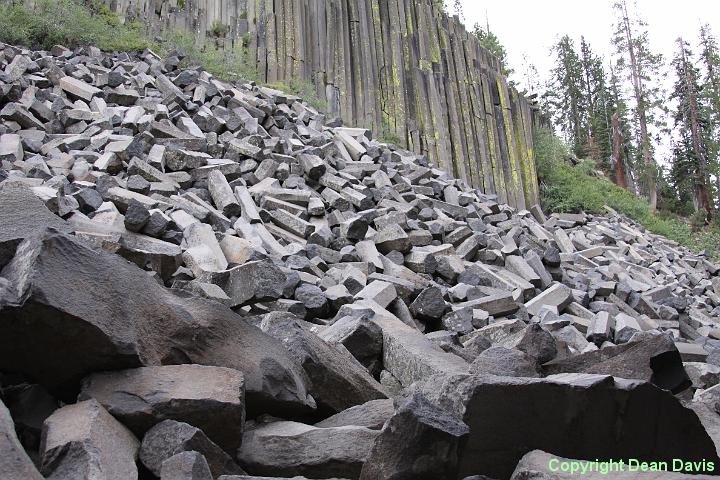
<point>529,28</point>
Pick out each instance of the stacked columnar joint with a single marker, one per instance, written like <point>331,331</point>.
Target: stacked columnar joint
<point>404,69</point>
<point>202,280</point>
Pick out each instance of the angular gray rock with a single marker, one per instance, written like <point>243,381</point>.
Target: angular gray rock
<point>573,415</point>
<point>14,462</point>
<point>650,357</point>
<point>84,441</point>
<point>504,362</point>
<point>539,465</point>
<point>63,324</point>
<point>185,466</point>
<point>361,337</point>
<point>21,216</point>
<point>421,441</point>
<point>372,414</point>
<point>289,448</point>
<point>337,380</point>
<point>209,398</point>
<point>169,438</point>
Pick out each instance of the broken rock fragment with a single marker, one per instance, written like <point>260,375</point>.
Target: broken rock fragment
<point>210,398</point>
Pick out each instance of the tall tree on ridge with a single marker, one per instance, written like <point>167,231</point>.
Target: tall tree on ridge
<point>710,55</point>
<point>565,97</point>
<point>693,124</point>
<point>623,149</point>
<point>640,65</point>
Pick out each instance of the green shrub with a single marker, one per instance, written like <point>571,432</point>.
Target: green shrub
<point>218,29</point>
<point>302,89</point>
<point>226,64</point>
<point>68,23</point>
<point>571,189</point>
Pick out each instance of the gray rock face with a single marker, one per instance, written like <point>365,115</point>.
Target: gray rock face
<point>582,416</point>
<point>21,216</point>
<point>337,380</point>
<point>126,322</point>
<point>290,448</point>
<point>421,441</point>
<point>202,209</point>
<point>653,358</point>
<point>185,466</point>
<point>14,462</point>
<point>169,438</point>
<point>534,341</point>
<point>504,362</point>
<point>537,465</point>
<point>362,338</point>
<point>372,414</point>
<point>84,441</point>
<point>209,398</point>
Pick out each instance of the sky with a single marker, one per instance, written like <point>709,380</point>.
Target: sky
<point>529,28</point>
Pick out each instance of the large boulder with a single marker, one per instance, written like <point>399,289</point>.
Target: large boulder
<point>14,462</point>
<point>185,466</point>
<point>76,310</point>
<point>169,438</point>
<point>22,215</point>
<point>209,398</point>
<point>372,414</point>
<point>574,415</point>
<point>538,465</point>
<point>84,441</point>
<point>291,448</point>
<point>420,442</point>
<point>337,380</point>
<point>650,357</point>
<point>504,362</point>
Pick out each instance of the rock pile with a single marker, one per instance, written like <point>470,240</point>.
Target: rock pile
<point>200,279</point>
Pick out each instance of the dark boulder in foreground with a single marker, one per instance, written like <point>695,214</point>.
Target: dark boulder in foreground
<point>77,310</point>
<point>578,416</point>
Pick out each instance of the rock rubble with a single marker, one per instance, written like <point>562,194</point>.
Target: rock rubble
<point>202,279</point>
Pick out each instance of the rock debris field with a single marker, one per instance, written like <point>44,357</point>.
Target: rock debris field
<point>203,280</point>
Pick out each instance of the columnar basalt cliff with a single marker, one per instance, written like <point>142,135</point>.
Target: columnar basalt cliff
<point>402,68</point>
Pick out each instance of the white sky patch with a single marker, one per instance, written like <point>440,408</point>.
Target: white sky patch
<point>529,28</point>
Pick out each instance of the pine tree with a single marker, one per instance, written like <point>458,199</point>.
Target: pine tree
<point>640,65</point>
<point>566,94</point>
<point>710,55</point>
<point>623,150</point>
<point>691,122</point>
<point>491,42</point>
<point>597,144</point>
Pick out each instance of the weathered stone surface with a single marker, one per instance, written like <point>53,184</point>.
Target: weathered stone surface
<point>337,380</point>
<point>557,295</point>
<point>504,362</point>
<point>22,215</point>
<point>125,322</point>
<point>209,398</point>
<point>539,465</point>
<point>251,282</point>
<point>362,338</point>
<point>648,357</point>
<point>14,462</point>
<point>408,355</point>
<point>169,438</point>
<point>401,450</point>
<point>84,441</point>
<point>581,418</point>
<point>372,414</point>
<point>290,448</point>
<point>185,466</point>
